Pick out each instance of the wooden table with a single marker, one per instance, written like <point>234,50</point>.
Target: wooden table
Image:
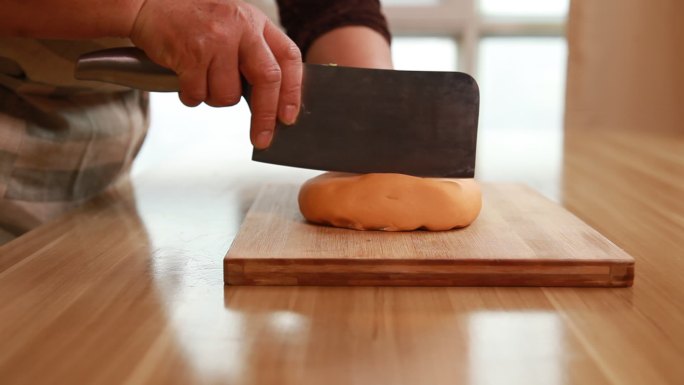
<point>129,290</point>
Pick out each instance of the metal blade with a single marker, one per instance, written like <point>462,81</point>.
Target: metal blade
<point>366,120</point>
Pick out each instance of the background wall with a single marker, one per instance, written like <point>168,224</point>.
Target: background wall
<point>626,65</point>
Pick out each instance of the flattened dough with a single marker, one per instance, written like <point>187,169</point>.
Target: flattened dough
<point>390,202</point>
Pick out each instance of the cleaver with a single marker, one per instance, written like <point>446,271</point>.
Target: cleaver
<point>352,119</point>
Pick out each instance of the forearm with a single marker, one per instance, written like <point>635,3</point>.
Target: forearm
<point>352,46</point>
<point>68,19</point>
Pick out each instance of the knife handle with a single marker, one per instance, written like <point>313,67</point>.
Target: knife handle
<point>131,67</point>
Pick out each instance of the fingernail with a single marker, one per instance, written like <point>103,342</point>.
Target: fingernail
<point>263,139</point>
<point>289,114</point>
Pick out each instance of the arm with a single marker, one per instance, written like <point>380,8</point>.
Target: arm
<point>352,46</point>
<point>68,19</point>
<point>346,32</point>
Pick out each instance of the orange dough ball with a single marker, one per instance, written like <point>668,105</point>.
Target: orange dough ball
<point>390,202</point>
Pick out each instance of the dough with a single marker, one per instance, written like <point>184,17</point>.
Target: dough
<point>390,202</point>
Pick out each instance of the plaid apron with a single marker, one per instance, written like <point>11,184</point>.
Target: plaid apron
<point>62,141</point>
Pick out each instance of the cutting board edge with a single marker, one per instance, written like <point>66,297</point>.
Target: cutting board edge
<point>597,273</point>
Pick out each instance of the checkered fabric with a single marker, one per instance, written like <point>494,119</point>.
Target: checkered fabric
<point>62,141</point>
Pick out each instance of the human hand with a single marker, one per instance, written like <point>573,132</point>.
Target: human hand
<point>208,43</point>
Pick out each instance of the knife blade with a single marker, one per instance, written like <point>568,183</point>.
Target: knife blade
<point>352,119</point>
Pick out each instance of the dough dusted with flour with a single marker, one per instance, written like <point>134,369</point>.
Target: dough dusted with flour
<point>390,202</point>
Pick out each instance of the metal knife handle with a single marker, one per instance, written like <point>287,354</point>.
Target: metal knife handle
<point>130,67</point>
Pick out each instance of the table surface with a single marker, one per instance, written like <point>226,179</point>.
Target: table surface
<point>129,290</point>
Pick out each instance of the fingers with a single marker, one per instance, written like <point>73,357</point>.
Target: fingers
<point>216,42</point>
<point>193,86</point>
<point>224,81</point>
<point>260,67</point>
<point>289,59</point>
<point>216,83</point>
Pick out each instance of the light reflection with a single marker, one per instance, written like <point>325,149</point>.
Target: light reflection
<point>288,323</point>
<point>192,210</point>
<point>211,337</point>
<point>516,348</point>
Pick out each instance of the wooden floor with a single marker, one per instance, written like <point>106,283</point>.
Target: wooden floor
<point>129,290</point>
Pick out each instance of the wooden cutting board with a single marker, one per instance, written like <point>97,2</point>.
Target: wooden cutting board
<point>519,239</point>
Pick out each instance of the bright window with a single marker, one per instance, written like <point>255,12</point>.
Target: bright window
<point>425,53</point>
<point>524,8</point>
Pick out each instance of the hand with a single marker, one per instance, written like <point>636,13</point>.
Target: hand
<point>208,43</point>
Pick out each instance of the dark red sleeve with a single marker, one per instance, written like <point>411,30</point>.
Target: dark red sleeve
<point>306,20</point>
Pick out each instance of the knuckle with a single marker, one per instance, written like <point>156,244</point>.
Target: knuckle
<point>232,100</point>
<point>192,84</point>
<point>292,53</point>
<point>224,100</point>
<point>271,74</point>
<point>192,96</point>
<point>243,15</point>
<point>264,117</point>
<point>215,28</point>
<point>195,50</point>
<point>292,90</point>
<point>188,101</point>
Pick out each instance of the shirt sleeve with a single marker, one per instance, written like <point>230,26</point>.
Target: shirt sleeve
<point>306,20</point>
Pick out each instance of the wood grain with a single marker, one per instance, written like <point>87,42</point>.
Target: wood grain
<point>625,66</point>
<point>129,290</point>
<point>519,239</point>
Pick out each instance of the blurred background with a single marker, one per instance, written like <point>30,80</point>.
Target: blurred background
<point>515,49</point>
<point>517,52</point>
